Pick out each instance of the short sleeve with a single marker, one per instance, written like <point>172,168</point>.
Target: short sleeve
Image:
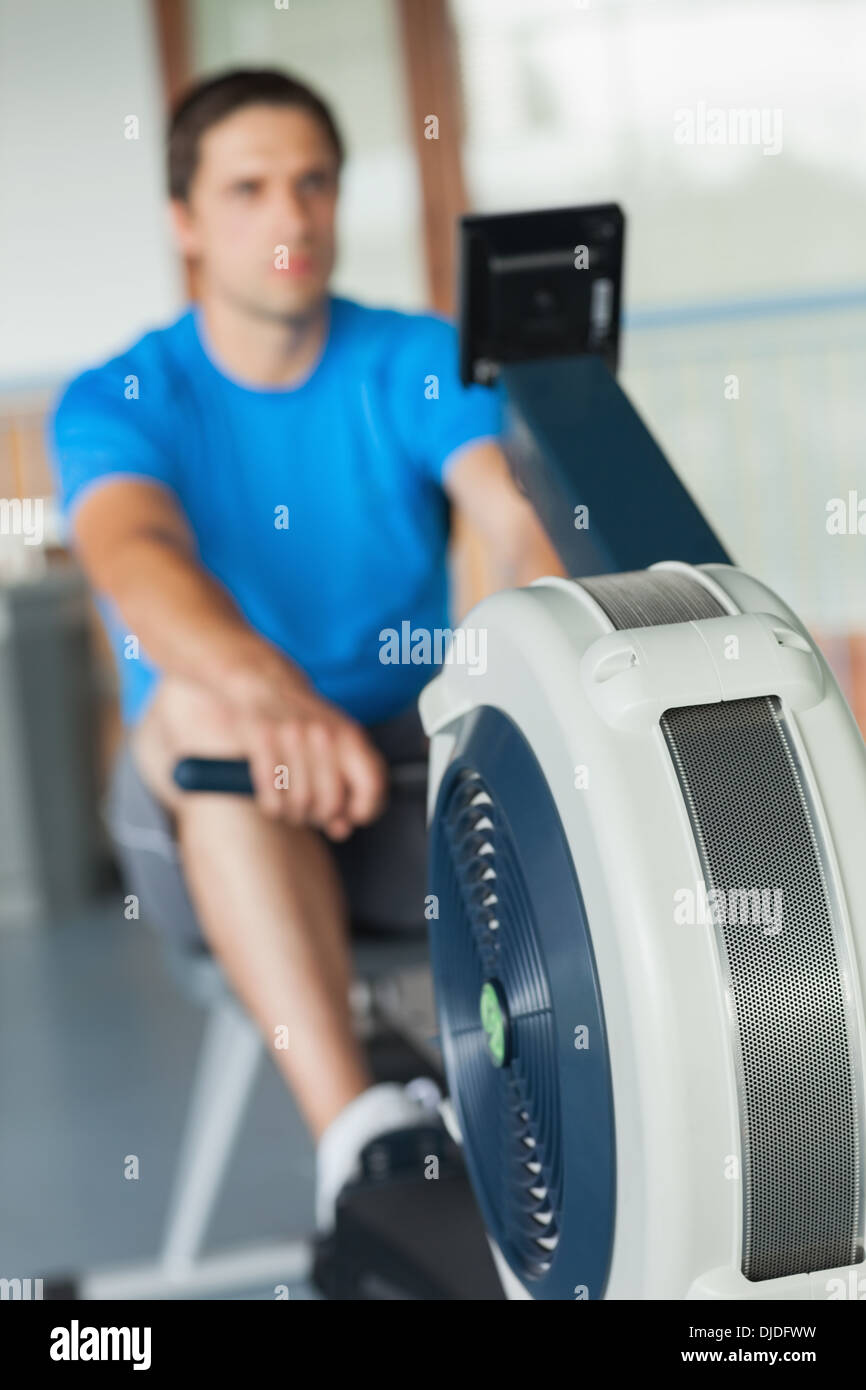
<point>99,429</point>
<point>446,416</point>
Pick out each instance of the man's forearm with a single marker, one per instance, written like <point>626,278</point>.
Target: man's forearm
<point>187,623</point>
<point>528,555</point>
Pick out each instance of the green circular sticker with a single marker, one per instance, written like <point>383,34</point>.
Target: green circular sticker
<point>493,1023</point>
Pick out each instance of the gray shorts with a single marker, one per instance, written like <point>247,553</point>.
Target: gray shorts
<point>383,865</point>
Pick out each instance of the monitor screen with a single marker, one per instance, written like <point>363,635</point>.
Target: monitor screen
<point>539,284</point>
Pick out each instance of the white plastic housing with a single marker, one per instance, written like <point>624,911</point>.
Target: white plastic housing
<point>586,696</point>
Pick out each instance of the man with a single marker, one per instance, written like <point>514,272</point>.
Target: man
<point>258,492</point>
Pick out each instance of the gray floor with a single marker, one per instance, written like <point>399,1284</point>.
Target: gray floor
<point>97,1051</point>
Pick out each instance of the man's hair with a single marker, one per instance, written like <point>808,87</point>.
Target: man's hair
<point>210,101</point>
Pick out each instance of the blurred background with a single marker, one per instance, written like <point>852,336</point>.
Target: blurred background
<point>744,349</point>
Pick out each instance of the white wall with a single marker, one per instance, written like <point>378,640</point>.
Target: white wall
<point>86,261</point>
<point>83,264</point>
<point>574,101</point>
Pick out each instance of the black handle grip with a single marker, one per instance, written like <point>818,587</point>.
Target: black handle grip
<point>214,775</point>
<point>232,775</point>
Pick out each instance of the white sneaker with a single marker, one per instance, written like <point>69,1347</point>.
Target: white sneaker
<point>378,1110</point>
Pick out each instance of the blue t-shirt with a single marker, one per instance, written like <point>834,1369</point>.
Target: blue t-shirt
<point>320,507</point>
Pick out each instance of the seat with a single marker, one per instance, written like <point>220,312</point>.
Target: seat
<point>392,993</point>
<point>392,989</point>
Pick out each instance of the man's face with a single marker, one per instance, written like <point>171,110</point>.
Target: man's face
<point>259,222</point>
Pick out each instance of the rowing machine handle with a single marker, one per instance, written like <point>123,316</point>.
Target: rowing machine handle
<point>232,775</point>
<point>214,775</point>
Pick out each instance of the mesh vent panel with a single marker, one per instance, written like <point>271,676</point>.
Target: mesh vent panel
<point>647,598</point>
<point>764,876</point>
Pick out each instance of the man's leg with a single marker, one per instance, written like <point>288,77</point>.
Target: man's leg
<point>270,904</point>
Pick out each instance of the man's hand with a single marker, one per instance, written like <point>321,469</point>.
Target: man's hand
<point>311,763</point>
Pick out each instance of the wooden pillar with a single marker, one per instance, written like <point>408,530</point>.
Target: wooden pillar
<point>857,696</point>
<point>171,27</point>
<point>432,75</point>
<point>435,101</point>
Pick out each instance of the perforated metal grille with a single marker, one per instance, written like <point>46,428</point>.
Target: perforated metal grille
<point>763,871</point>
<point>783,958</point>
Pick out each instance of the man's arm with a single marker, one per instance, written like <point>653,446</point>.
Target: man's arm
<point>481,484</point>
<point>138,550</point>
